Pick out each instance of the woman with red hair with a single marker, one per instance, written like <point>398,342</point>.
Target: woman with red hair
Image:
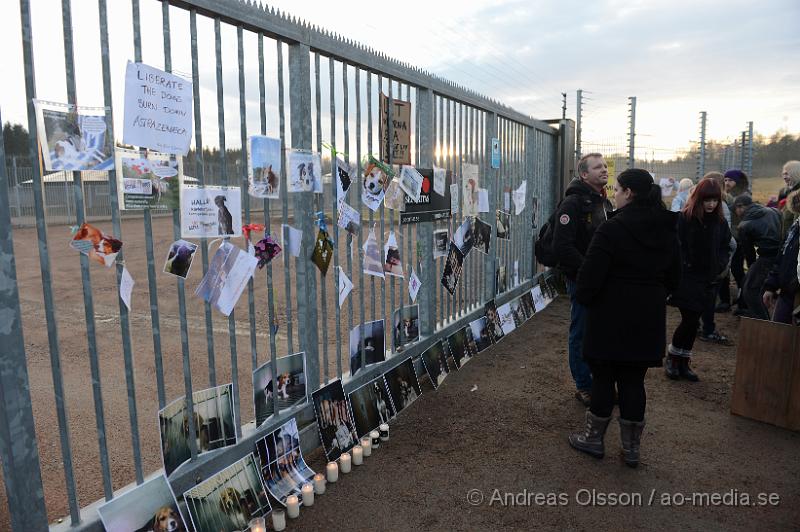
<point>705,249</point>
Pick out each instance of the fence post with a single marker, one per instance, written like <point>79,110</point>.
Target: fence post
<point>530,169</point>
<point>427,312</point>
<point>300,118</point>
<point>701,168</point>
<point>578,117</point>
<point>631,130</point>
<point>18,448</point>
<point>491,183</point>
<point>750,153</point>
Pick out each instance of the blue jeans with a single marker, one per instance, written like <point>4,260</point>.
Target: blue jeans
<point>577,326</point>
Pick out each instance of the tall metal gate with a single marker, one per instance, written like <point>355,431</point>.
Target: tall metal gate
<point>111,369</point>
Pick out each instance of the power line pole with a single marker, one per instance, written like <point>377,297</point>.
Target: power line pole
<point>631,129</point>
<point>578,113</point>
<point>742,153</point>
<point>701,164</point>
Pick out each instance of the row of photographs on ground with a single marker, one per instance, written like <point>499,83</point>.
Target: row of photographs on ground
<point>229,499</point>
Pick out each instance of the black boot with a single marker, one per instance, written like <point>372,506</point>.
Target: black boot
<point>671,365</point>
<point>590,440</point>
<point>630,433</point>
<point>686,371</point>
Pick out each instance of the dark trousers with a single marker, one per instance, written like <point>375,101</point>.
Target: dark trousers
<point>630,390</point>
<point>686,332</point>
<point>725,290</point>
<point>737,267</point>
<point>709,326</point>
<point>753,287</point>
<point>783,308</point>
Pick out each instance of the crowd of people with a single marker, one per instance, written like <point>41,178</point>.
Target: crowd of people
<point>625,263</point>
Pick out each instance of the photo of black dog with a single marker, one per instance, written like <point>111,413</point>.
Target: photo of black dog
<point>179,258</point>
<point>224,218</point>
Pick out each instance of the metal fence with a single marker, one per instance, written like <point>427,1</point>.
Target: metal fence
<point>325,89</point>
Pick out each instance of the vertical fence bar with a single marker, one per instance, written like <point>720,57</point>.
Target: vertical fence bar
<point>319,202</point>
<point>349,237</point>
<point>490,131</point>
<point>427,298</point>
<point>285,200</point>
<point>371,212</point>
<point>19,449</point>
<point>359,205</point>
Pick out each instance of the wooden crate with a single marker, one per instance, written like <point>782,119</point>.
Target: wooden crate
<point>767,382</point>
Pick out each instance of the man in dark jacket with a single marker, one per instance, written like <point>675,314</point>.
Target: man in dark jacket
<point>583,209</point>
<point>760,242</point>
<point>735,183</point>
<point>782,285</point>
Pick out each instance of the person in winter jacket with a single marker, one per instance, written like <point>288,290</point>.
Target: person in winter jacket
<point>583,209</point>
<point>684,187</point>
<point>736,183</point>
<point>782,287</point>
<point>631,266</point>
<point>705,248</point>
<point>760,242</point>
<point>791,176</point>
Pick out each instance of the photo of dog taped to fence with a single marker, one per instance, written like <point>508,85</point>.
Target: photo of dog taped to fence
<point>149,507</point>
<point>213,425</point>
<point>373,349</point>
<point>287,390</point>
<point>405,326</point>
<point>228,500</point>
<point>180,257</point>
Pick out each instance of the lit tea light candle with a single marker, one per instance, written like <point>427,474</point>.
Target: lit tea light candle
<point>308,494</point>
<point>376,439</point>
<point>332,471</point>
<point>358,455</point>
<point>278,519</point>
<point>366,445</point>
<point>384,431</point>
<point>292,506</point>
<point>257,524</point>
<point>319,482</point>
<point>344,462</point>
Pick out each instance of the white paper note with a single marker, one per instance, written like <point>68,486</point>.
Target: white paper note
<point>413,285</point>
<point>291,239</point>
<point>483,200</point>
<point>345,286</point>
<point>454,199</point>
<point>519,198</point>
<point>439,176</point>
<point>126,287</point>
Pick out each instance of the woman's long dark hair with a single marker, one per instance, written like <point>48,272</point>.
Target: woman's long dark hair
<point>643,194</point>
<point>706,189</point>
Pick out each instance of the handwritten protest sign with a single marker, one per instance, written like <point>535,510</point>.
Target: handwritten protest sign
<point>158,110</point>
<point>401,131</point>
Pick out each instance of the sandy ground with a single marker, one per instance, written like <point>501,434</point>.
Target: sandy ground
<point>510,434</point>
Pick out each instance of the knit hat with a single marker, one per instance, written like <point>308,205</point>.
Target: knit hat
<point>636,179</point>
<point>735,175</point>
<point>742,200</point>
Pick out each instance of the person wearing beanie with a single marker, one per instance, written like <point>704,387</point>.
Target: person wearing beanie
<point>760,242</point>
<point>631,266</point>
<point>579,214</point>
<point>782,287</point>
<point>705,248</point>
<point>735,183</point>
<point>684,187</point>
<point>791,176</point>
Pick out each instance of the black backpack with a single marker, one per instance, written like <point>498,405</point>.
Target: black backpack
<point>545,254</point>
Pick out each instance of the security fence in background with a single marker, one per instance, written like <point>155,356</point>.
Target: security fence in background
<point>325,89</point>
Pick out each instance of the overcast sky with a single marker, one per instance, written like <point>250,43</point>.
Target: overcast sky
<point>737,60</point>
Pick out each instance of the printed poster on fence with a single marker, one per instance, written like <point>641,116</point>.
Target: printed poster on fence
<point>430,206</point>
<point>401,131</point>
<point>158,110</point>
<point>150,180</point>
<point>264,166</point>
<point>73,138</point>
<point>211,212</point>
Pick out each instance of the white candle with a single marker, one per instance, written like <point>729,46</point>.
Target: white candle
<point>376,439</point>
<point>332,471</point>
<point>257,524</point>
<point>358,455</point>
<point>344,462</point>
<point>308,494</point>
<point>278,519</point>
<point>319,483</point>
<point>366,445</point>
<point>384,431</point>
<point>292,506</point>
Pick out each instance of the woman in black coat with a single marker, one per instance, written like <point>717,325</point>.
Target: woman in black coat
<point>705,249</point>
<point>631,266</point>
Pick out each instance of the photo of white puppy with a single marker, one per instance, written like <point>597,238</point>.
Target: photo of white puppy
<point>374,185</point>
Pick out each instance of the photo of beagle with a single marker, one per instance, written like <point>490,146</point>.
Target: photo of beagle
<point>232,505</point>
<point>167,520</point>
<point>200,431</point>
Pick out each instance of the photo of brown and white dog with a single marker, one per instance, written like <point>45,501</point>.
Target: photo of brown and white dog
<point>232,505</point>
<point>200,431</point>
<point>375,180</point>
<point>167,520</point>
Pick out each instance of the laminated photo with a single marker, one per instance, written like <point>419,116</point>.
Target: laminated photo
<point>374,184</point>
<point>374,346</point>
<point>96,245</point>
<point>371,406</point>
<point>228,500</point>
<point>180,258</point>
<point>152,180</point>
<point>483,236</point>
<point>441,241</point>
<point>503,225</point>
<point>344,178</point>
<point>149,506</point>
<point>493,321</point>
<point>464,236</point>
<point>395,197</point>
<point>392,264</point>
<point>506,315</point>
<point>281,462</point>
<point>405,326</point>
<point>452,269</point>
<point>211,212</point>
<point>304,171</point>
<point>337,430</point>
<point>480,333</point>
<point>228,272</point>
<point>287,390</point>
<point>411,182</point>
<point>435,361</point>
<point>264,166</point>
<point>373,261</point>
<point>214,425</point>
<point>461,346</point>
<point>73,138</point>
<point>470,186</point>
<point>403,385</point>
